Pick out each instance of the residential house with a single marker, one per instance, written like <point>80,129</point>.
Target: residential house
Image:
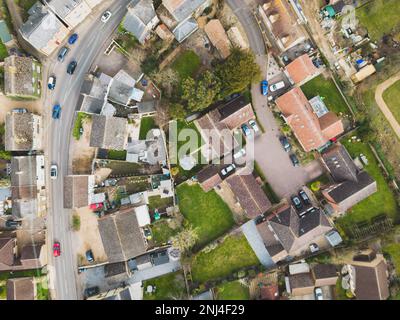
<point>122,237</point>
<point>23,132</point>
<point>27,186</point>
<point>301,284</point>
<point>109,132</point>
<point>302,69</point>
<point>93,95</point>
<point>281,21</point>
<point>78,191</point>
<point>249,194</point>
<point>21,77</point>
<point>141,19</point>
<point>33,256</point>
<point>216,127</point>
<point>71,12</point>
<point>324,275</point>
<point>209,177</point>
<point>163,32</point>
<point>285,234</point>
<point>369,276</point>
<point>218,37</point>
<point>43,30</point>
<point>312,132</point>
<point>352,184</point>
<point>21,289</point>
<point>8,252</point>
<point>237,39</point>
<point>122,89</point>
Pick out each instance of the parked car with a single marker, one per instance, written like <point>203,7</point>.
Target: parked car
<point>51,84</point>
<point>246,130</point>
<point>90,292</point>
<point>12,224</point>
<point>53,172</point>
<point>254,125</point>
<point>62,53</point>
<point>239,153</point>
<point>95,206</point>
<point>314,247</point>
<point>296,202</point>
<point>318,294</point>
<point>89,256</point>
<point>56,111</point>
<point>20,110</point>
<point>276,86</point>
<point>285,143</point>
<point>294,160</point>
<point>56,249</point>
<point>228,169</point>
<point>304,197</point>
<point>147,233</point>
<point>106,16</point>
<point>73,38</point>
<point>71,67</point>
<point>264,87</point>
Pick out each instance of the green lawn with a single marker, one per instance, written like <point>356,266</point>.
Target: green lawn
<point>80,118</point>
<point>379,17</point>
<point>162,232</point>
<point>116,154</point>
<point>187,64</point>
<point>168,287</point>
<point>156,202</point>
<point>233,291</point>
<point>181,125</point>
<point>207,212</point>
<point>230,256</point>
<point>394,250</point>
<point>42,292</point>
<point>327,90</point>
<point>381,202</point>
<point>392,99</point>
<point>146,124</point>
<point>3,292</point>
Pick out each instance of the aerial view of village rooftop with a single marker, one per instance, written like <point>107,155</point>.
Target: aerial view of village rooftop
<point>199,150</point>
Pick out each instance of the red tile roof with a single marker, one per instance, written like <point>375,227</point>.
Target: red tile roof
<point>301,69</point>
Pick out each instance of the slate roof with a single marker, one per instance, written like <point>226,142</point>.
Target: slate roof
<point>20,133</point>
<point>21,289</point>
<point>140,14</point>
<point>6,253</point>
<point>323,271</point>
<point>185,29</point>
<point>30,256</point>
<point>301,280</point>
<point>250,195</point>
<point>63,7</point>
<point>76,191</point>
<point>108,132</point>
<point>122,238</point>
<point>18,75</point>
<point>121,88</point>
<point>182,9</point>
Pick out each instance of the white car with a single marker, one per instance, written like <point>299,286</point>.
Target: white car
<point>53,172</point>
<point>253,124</point>
<point>106,16</point>
<point>318,294</point>
<point>228,169</point>
<point>239,153</point>
<point>277,86</point>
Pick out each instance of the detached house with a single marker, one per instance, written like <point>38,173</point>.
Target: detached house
<point>141,19</point>
<point>109,132</point>
<point>21,77</point>
<point>313,128</point>
<point>71,12</point>
<point>23,132</point>
<point>352,184</point>
<point>302,70</point>
<point>43,30</point>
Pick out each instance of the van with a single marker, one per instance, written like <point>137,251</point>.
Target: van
<point>62,53</point>
<point>277,86</point>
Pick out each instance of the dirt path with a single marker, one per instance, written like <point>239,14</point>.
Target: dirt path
<point>382,104</point>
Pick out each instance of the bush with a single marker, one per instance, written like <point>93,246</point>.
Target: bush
<point>315,186</point>
<point>76,222</point>
<point>150,64</point>
<point>80,117</point>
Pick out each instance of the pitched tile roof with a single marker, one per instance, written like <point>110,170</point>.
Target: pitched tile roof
<point>218,37</point>
<point>122,238</point>
<point>182,9</point>
<point>323,271</point>
<point>185,29</point>
<point>331,125</point>
<point>6,253</point>
<point>21,289</point>
<point>76,191</point>
<point>300,117</point>
<point>18,76</point>
<point>301,69</point>
<point>109,132</point>
<point>235,112</point>
<point>301,280</point>
<point>209,177</point>
<point>21,130</point>
<point>250,195</point>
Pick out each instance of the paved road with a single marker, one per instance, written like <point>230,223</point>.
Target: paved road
<point>269,154</point>
<point>382,104</point>
<point>93,34</point>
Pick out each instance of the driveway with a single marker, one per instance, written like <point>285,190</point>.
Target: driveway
<point>382,104</point>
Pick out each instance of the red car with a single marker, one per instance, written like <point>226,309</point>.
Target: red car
<point>95,206</point>
<point>56,249</point>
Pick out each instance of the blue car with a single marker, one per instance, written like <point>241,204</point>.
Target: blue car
<point>56,112</point>
<point>72,39</point>
<point>246,130</point>
<point>264,87</point>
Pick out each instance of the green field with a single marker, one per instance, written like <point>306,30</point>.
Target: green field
<point>168,287</point>
<point>379,17</point>
<point>327,90</point>
<point>230,256</point>
<point>187,64</point>
<point>207,212</point>
<point>162,232</point>
<point>392,99</point>
<point>232,291</point>
<point>381,202</point>
<point>146,124</point>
